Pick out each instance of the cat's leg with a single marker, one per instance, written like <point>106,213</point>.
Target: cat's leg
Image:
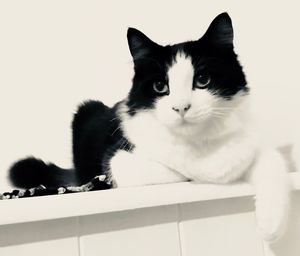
<point>271,183</point>
<point>130,169</point>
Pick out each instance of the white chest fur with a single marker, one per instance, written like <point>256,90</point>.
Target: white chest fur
<point>191,151</point>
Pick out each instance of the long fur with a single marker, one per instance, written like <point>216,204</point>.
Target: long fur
<point>32,172</point>
<point>185,118</point>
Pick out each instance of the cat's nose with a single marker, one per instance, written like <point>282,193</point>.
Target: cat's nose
<point>182,109</point>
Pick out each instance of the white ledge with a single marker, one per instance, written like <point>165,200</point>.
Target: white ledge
<point>87,203</point>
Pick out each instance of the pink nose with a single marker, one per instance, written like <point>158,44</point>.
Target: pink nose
<point>181,110</point>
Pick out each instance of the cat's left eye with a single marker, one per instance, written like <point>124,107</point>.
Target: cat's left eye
<point>160,87</point>
<point>202,81</point>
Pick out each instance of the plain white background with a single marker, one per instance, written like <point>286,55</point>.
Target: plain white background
<point>55,54</point>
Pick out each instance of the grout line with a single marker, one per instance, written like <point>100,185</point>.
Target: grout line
<point>178,228</point>
<point>260,240</point>
<point>80,253</point>
<point>263,247</point>
<point>267,251</point>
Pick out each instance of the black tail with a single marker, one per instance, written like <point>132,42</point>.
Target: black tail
<point>32,172</point>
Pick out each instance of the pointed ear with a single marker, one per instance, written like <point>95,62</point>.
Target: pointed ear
<point>139,44</point>
<point>220,31</point>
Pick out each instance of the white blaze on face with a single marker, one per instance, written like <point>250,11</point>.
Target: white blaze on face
<point>181,75</point>
<point>206,108</point>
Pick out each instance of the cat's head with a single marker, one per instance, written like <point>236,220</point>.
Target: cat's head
<point>189,83</point>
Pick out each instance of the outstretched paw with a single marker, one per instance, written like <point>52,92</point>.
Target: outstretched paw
<point>271,222</point>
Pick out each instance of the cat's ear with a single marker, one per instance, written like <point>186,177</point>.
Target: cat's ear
<point>220,31</point>
<point>139,44</point>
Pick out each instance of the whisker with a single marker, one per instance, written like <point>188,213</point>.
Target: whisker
<point>203,111</point>
<point>118,128</point>
<point>223,108</point>
<point>113,119</point>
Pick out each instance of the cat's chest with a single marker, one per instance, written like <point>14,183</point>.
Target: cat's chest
<point>163,145</point>
<point>156,142</point>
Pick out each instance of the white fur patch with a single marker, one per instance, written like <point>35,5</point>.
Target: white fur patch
<point>213,142</point>
<point>189,149</point>
<point>135,170</point>
<point>162,156</point>
<point>272,186</point>
<point>181,75</point>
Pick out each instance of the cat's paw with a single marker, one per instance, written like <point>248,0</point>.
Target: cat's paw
<point>271,222</point>
<point>270,230</point>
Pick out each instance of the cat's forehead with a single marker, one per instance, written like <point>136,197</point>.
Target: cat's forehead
<point>181,71</point>
<point>191,53</point>
<point>180,51</point>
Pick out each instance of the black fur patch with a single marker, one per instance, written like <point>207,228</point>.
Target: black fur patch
<point>97,135</point>
<point>32,172</point>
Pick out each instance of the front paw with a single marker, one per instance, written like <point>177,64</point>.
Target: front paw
<point>271,221</point>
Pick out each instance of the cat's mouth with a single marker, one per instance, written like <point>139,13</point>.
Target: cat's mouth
<point>187,121</point>
<point>192,120</point>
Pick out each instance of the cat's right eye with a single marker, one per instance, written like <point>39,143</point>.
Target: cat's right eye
<point>161,87</point>
<point>202,81</point>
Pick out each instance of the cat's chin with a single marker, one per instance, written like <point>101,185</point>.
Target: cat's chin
<point>177,124</point>
<point>183,127</point>
<point>183,123</point>
<point>208,128</point>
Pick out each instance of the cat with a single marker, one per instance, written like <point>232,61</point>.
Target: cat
<point>186,118</point>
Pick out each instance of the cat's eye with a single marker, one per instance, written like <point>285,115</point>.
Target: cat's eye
<point>161,87</point>
<point>202,81</point>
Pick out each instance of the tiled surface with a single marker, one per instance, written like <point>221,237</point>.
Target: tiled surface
<point>150,231</point>
<point>212,228</point>
<point>221,227</point>
<point>46,238</point>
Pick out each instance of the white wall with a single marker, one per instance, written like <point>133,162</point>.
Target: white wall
<point>55,54</point>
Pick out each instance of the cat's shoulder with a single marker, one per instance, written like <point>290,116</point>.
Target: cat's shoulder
<point>92,111</point>
<point>90,107</point>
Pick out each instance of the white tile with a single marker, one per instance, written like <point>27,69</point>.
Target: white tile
<point>46,238</point>
<point>289,245</point>
<point>143,232</point>
<point>219,227</point>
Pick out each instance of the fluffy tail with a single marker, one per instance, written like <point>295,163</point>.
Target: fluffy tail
<point>32,172</point>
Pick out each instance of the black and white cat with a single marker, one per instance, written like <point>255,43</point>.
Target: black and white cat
<point>186,118</point>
